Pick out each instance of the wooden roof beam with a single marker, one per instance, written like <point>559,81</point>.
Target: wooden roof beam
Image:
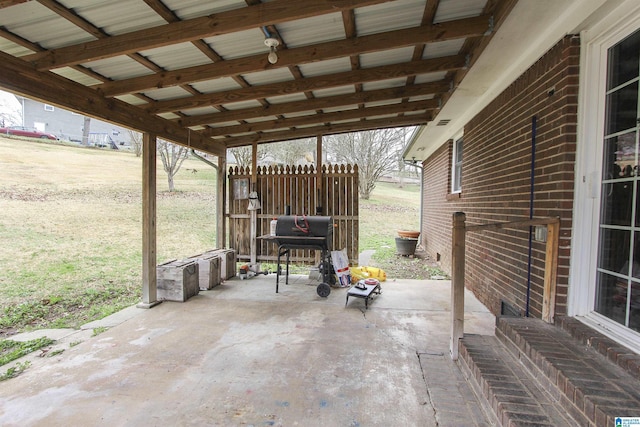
<point>319,118</point>
<point>330,129</point>
<point>423,89</point>
<point>447,63</point>
<point>197,28</point>
<point>323,51</point>
<point>19,77</point>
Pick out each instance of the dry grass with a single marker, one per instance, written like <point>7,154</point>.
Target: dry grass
<point>70,229</point>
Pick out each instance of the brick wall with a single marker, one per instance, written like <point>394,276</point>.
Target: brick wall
<point>496,185</point>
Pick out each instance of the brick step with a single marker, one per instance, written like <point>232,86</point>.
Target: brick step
<point>513,396</point>
<point>616,353</point>
<point>590,388</point>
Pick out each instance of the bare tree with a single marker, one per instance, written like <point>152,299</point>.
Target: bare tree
<point>243,154</point>
<point>292,152</point>
<point>376,152</point>
<point>10,112</point>
<point>172,156</point>
<point>136,142</point>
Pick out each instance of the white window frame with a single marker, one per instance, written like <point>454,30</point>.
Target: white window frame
<point>456,166</point>
<point>596,41</point>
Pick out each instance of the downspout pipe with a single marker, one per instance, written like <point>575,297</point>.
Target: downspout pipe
<point>199,157</point>
<point>534,125</point>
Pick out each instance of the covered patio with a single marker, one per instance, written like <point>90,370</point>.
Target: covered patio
<point>240,354</point>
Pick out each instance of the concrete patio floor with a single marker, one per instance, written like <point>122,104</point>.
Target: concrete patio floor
<point>240,354</point>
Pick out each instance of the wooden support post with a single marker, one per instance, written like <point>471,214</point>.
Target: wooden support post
<point>550,272</point>
<point>221,203</point>
<point>319,175</point>
<point>457,282</point>
<point>253,214</point>
<point>149,277</point>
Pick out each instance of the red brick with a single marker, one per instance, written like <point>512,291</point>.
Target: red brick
<point>495,182</point>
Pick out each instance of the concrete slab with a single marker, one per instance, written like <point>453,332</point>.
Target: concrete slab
<point>240,354</point>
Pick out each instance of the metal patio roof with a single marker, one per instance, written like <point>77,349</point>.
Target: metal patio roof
<point>196,72</point>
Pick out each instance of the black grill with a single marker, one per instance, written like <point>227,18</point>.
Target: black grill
<point>306,232</point>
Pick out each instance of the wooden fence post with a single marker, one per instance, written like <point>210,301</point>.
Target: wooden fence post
<point>457,282</point>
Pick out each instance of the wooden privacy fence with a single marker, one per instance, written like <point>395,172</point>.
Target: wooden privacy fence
<point>299,190</point>
<point>458,236</point>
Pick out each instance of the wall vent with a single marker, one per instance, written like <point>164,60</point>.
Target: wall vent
<point>443,122</point>
<point>508,310</point>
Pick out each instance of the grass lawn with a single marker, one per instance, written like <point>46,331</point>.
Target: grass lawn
<point>70,229</point>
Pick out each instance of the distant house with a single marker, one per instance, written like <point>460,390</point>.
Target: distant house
<point>69,126</point>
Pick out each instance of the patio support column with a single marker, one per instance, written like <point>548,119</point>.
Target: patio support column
<point>253,214</point>
<point>221,203</point>
<point>457,282</point>
<point>319,207</point>
<point>149,279</point>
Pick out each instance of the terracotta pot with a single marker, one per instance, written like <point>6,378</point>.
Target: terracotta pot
<point>408,234</point>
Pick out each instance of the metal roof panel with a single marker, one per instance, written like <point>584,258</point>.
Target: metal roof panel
<point>187,9</point>
<point>457,9</point>
<point>389,16</point>
<point>216,85</point>
<point>36,23</point>
<point>332,66</point>
<point>273,75</point>
<point>286,98</point>
<point>430,77</point>
<point>176,56</point>
<point>386,57</point>
<point>239,44</point>
<point>385,84</point>
<point>118,68</point>
<point>167,93</point>
<point>340,90</point>
<point>446,48</point>
<point>308,31</point>
<point>116,16</point>
<point>76,76</point>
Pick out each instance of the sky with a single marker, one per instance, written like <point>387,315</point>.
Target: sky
<point>9,104</point>
<point>7,99</point>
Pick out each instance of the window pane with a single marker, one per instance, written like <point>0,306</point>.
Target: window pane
<point>623,61</point>
<point>634,314</point>
<point>608,302</point>
<point>614,250</point>
<point>617,198</point>
<point>459,151</point>
<point>457,184</point>
<point>619,157</point>
<point>622,107</point>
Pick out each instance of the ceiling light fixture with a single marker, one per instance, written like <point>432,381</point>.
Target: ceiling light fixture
<point>272,44</point>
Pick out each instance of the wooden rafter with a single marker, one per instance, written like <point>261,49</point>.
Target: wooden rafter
<point>329,129</point>
<point>319,118</point>
<point>197,28</point>
<point>423,89</point>
<point>311,83</point>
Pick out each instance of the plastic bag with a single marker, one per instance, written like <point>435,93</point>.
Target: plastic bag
<point>362,272</point>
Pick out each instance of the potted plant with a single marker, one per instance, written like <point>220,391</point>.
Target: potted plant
<point>406,242</point>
